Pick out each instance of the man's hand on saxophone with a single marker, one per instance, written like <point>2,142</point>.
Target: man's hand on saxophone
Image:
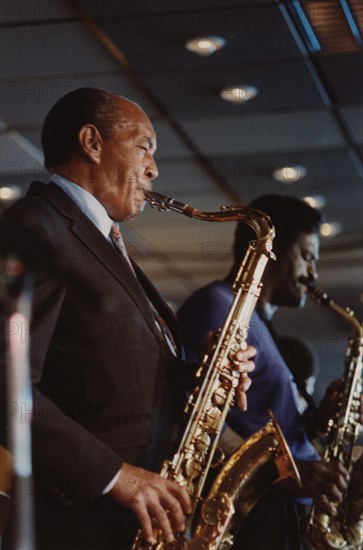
<point>325,482</point>
<point>162,503</point>
<point>157,502</point>
<point>243,363</point>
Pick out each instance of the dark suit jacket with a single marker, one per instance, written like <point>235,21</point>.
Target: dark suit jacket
<point>100,373</point>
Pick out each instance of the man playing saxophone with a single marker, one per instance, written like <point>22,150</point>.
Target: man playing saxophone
<point>106,373</point>
<point>296,245</point>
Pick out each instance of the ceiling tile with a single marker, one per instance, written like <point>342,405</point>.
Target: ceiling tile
<point>285,85</point>
<point>33,136</point>
<point>344,76</point>
<point>325,171</point>
<point>14,153</point>
<point>132,9</point>
<point>26,102</point>
<point>51,50</point>
<point>169,143</point>
<point>16,161</point>
<point>295,131</point>
<point>353,117</point>
<point>34,11</point>
<point>253,35</point>
<point>184,178</point>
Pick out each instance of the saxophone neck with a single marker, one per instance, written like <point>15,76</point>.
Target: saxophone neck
<point>256,219</point>
<point>322,297</point>
<point>164,203</point>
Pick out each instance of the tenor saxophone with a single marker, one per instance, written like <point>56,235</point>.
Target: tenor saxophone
<point>326,532</point>
<point>208,525</point>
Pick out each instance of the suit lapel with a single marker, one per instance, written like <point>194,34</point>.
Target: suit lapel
<point>159,303</point>
<point>104,252</point>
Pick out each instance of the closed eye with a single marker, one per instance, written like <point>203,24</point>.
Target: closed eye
<point>308,256</point>
<point>146,144</point>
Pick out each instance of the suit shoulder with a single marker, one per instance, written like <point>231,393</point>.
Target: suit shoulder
<point>28,215</point>
<point>31,224</point>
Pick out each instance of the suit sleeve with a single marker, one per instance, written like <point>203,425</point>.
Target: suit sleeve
<point>75,463</point>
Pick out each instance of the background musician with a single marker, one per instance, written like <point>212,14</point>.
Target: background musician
<point>296,245</point>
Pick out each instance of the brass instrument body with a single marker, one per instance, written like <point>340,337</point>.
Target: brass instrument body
<point>263,459</point>
<point>325,532</point>
<point>213,394</point>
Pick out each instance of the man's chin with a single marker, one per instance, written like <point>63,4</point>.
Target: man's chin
<point>138,209</point>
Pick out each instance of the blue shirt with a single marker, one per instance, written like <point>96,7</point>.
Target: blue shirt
<point>272,385</point>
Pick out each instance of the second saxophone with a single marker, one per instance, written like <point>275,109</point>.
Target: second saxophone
<point>326,532</point>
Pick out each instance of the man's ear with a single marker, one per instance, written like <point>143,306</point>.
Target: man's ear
<point>90,141</point>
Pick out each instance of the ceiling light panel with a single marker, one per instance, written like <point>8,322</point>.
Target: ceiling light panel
<point>330,229</point>
<point>290,174</point>
<point>205,45</point>
<point>316,201</point>
<point>239,94</point>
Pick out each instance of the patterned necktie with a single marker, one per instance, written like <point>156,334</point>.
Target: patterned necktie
<point>162,328</point>
<point>118,241</point>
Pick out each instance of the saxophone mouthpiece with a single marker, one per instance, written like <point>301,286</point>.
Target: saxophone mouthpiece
<point>146,194</point>
<point>162,202</point>
<point>316,293</point>
<point>307,282</point>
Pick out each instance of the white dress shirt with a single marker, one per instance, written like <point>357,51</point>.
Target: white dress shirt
<point>87,203</point>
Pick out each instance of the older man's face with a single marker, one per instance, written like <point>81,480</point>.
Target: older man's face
<point>127,166</point>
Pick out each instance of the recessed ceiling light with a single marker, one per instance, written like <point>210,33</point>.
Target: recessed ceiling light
<point>10,193</point>
<point>316,201</point>
<point>239,94</point>
<point>330,229</point>
<point>290,174</point>
<point>205,45</point>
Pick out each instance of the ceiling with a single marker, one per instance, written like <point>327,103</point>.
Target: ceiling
<point>304,58</point>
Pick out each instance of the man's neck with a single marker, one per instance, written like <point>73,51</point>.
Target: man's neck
<point>76,173</point>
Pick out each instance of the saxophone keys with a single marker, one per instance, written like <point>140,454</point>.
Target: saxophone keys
<point>236,346</point>
<point>202,441</point>
<point>180,479</point>
<point>239,343</point>
<point>354,533</point>
<point>230,378</point>
<point>220,396</point>
<point>192,467</point>
<point>212,418</point>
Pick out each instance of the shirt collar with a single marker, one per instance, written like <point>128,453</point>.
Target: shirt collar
<point>86,202</point>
